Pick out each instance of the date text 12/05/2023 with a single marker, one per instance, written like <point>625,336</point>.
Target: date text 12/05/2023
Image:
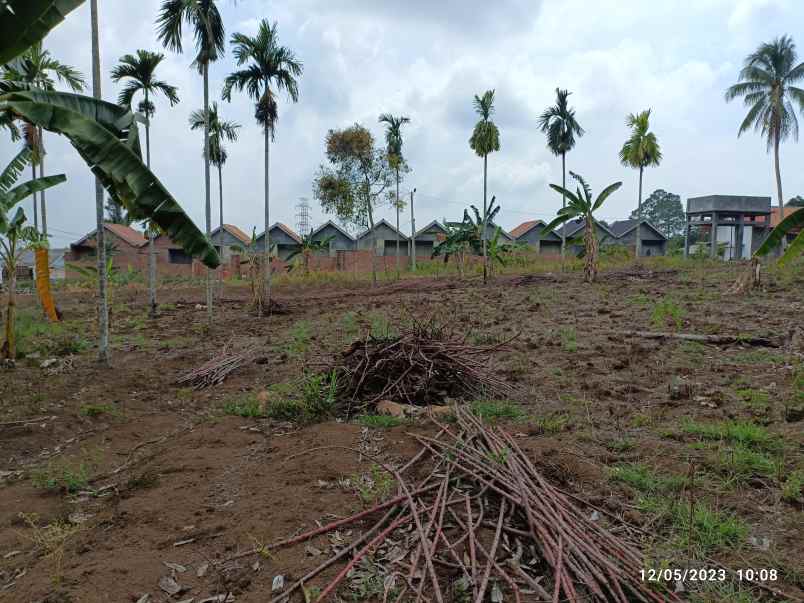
<point>693,574</point>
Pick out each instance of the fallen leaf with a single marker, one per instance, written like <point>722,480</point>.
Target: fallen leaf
<point>169,585</point>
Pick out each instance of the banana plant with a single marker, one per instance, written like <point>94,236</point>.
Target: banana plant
<point>581,204</point>
<point>15,236</point>
<point>789,224</point>
<point>307,248</point>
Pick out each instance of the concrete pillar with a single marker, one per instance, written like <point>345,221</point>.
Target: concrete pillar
<point>713,237</point>
<point>738,236</point>
<point>687,237</point>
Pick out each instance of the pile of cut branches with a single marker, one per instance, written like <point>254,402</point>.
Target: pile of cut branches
<point>423,365</point>
<point>480,523</point>
<point>216,370</point>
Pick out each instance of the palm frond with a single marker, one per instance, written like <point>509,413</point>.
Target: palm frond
<point>13,170</point>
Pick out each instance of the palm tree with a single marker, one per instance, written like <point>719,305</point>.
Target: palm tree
<point>37,68</point>
<point>485,139</point>
<point>766,83</point>
<point>219,131</point>
<point>207,24</point>
<point>582,205</point>
<point>561,127</point>
<point>641,150</point>
<point>393,138</point>
<point>140,71</point>
<point>104,355</point>
<point>270,67</point>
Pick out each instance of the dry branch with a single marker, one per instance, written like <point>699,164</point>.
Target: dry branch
<point>766,342</point>
<point>216,370</point>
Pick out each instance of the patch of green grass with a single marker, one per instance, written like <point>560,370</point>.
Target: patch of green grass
<point>380,421</point>
<point>645,479</point>
<point>554,423</point>
<point>247,406</point>
<point>742,462</point>
<point>743,432</point>
<point>621,445</point>
<point>374,486</point>
<point>381,327</point>
<point>300,339</point>
<point>498,410</point>
<point>308,400</point>
<point>569,340</point>
<point>484,338</point>
<point>755,399</point>
<point>348,325</point>
<point>286,409</point>
<point>96,410</point>
<point>35,334</point>
<point>791,490</point>
<point>61,476</point>
<point>666,312</point>
<point>692,348</point>
<point>640,299</point>
<point>755,357</point>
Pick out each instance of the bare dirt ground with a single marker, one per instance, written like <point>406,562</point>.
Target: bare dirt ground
<point>122,471</point>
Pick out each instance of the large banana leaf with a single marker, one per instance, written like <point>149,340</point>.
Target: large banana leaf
<point>106,136</point>
<point>792,221</point>
<point>23,23</point>
<point>26,189</point>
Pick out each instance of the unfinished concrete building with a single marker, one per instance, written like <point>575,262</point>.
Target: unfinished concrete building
<point>735,225</point>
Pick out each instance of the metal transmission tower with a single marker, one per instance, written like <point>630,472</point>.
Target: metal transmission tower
<point>303,224</point>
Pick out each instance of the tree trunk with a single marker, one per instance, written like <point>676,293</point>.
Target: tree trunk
<point>220,228</point>
<point>208,202</point>
<point>373,244</point>
<point>590,269</point>
<point>485,211</point>
<point>777,169</point>
<point>104,355</point>
<point>412,234</point>
<point>639,219</point>
<point>151,244</point>
<point>267,250</point>
<point>42,174</point>
<point>397,223</point>
<point>10,346</point>
<point>563,206</point>
<point>35,207</point>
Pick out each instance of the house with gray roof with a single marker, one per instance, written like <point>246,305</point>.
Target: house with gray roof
<point>340,239</point>
<point>385,237</point>
<point>573,231</point>
<point>653,242</point>
<point>227,238</point>
<point>283,237</point>
<point>429,237</point>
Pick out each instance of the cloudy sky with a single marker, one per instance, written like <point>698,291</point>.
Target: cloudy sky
<point>426,59</point>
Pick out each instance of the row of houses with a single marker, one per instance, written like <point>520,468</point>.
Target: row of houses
<point>344,250</point>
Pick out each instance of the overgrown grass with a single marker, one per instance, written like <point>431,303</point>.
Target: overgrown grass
<point>645,479</point>
<point>667,313</point>
<point>498,410</point>
<point>308,400</point>
<point>248,407</point>
<point>742,432</point>
<point>61,476</point>
<point>791,490</point>
<point>380,421</point>
<point>37,335</point>
<point>569,340</point>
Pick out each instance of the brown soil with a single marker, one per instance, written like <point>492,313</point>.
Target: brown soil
<point>166,465</point>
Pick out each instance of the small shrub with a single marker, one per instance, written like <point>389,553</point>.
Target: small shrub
<point>749,434</point>
<point>95,410</point>
<point>743,462</point>
<point>374,486</point>
<point>286,409</point>
<point>553,424</point>
<point>621,445</point>
<point>50,539</point>
<point>61,477</point>
<point>300,339</point>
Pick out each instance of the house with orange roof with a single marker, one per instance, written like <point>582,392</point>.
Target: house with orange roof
<point>228,238</point>
<point>531,233</point>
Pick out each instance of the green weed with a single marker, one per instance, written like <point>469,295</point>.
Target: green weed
<point>497,410</point>
<point>96,410</point>
<point>380,421</point>
<point>569,341</point>
<point>61,476</point>
<point>643,478</point>
<point>374,486</point>
<point>667,312</point>
<point>749,434</point>
<point>791,490</point>
<point>247,406</point>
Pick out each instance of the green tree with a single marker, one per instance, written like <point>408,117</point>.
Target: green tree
<point>220,131</point>
<point>15,236</point>
<point>116,213</point>
<point>582,205</point>
<point>559,124</point>
<point>767,85</point>
<point>485,140</point>
<point>797,201</point>
<point>309,247</point>
<point>209,34</point>
<point>393,140</point>
<point>37,68</point>
<point>270,68</point>
<point>354,182</point>
<point>140,74</point>
<point>641,150</point>
<point>664,211</point>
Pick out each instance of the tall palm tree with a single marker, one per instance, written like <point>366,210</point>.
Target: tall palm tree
<point>393,138</point>
<point>270,68</point>
<point>220,131</point>
<point>485,139</point>
<point>104,354</point>
<point>140,73</point>
<point>766,83</point>
<point>641,150</point>
<point>561,127</point>
<point>37,68</point>
<point>207,24</point>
